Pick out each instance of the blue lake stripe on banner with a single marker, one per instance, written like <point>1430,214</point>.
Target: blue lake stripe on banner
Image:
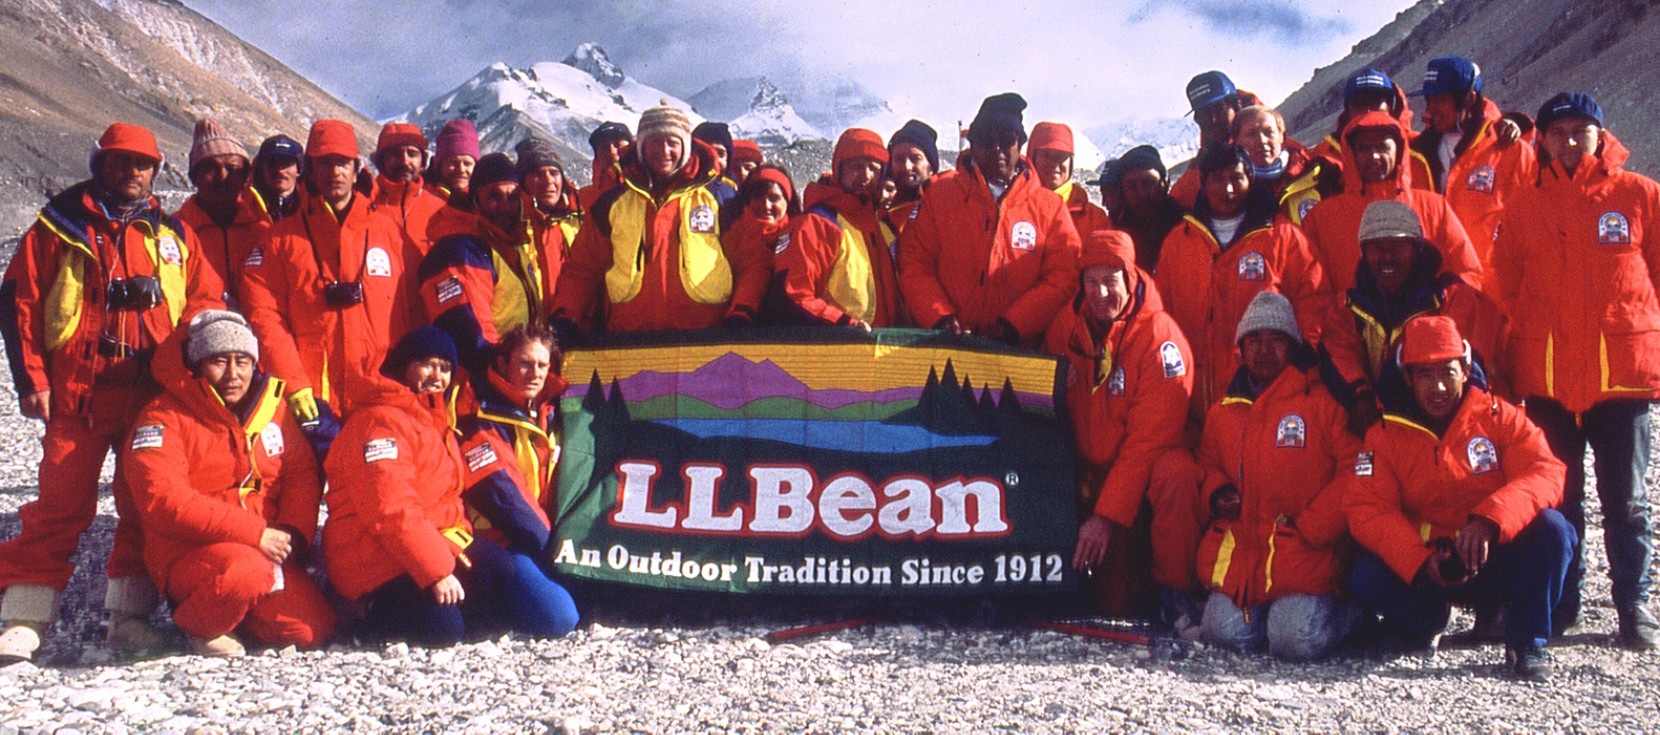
<point>847,436</point>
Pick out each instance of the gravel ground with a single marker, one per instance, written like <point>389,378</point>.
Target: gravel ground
<point>693,667</point>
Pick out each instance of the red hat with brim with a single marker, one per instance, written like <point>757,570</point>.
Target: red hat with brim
<point>331,138</point>
<point>1050,136</point>
<point>1431,339</point>
<point>1112,248</point>
<point>858,143</point>
<point>127,138</point>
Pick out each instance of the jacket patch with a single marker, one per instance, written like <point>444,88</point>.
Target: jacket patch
<point>1023,236</point>
<point>169,251</point>
<point>1253,267</point>
<point>1613,229</point>
<point>376,450</point>
<point>783,244</point>
<point>256,258</point>
<point>147,436</point>
<point>480,457</point>
<point>1363,464</point>
<point>1484,457</point>
<point>702,219</point>
<point>448,289</point>
<point>1293,432</point>
<point>1171,356</point>
<point>377,263</point>
<point>1115,381</point>
<point>1304,206</point>
<point>1481,180</point>
<point>271,437</point>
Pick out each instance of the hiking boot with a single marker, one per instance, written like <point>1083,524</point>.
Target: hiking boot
<point>134,634</point>
<point>18,643</point>
<point>1530,663</point>
<point>1565,621</point>
<point>1638,629</point>
<point>1489,624</point>
<point>225,646</point>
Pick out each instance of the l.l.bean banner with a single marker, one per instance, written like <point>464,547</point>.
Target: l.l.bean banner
<point>816,461</point>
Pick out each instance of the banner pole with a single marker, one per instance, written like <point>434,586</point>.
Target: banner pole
<point>787,634</point>
<point>1111,635</point>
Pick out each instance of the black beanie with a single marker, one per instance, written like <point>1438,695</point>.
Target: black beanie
<point>714,133</point>
<point>1141,157</point>
<point>997,112</point>
<point>607,132</point>
<point>535,154</point>
<point>493,168</point>
<point>917,133</point>
<point>419,343</point>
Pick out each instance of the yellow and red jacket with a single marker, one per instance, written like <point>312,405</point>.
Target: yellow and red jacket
<point>394,493</point>
<point>1411,486</point>
<point>980,259</point>
<point>226,247</point>
<point>304,341</point>
<point>201,474</point>
<point>1579,267</point>
<point>1333,226</point>
<point>1208,288</point>
<point>1128,387</point>
<point>1289,454</point>
<point>1481,179</point>
<point>644,262</point>
<point>837,264</point>
<point>510,447</point>
<point>57,330</point>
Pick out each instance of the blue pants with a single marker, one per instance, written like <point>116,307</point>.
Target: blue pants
<point>1618,431</point>
<point>1528,573</point>
<point>1296,627</point>
<point>504,591</point>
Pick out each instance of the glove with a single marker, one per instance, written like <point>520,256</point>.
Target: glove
<point>321,430</point>
<point>1003,331</point>
<point>736,320</point>
<point>1225,503</point>
<point>565,329</point>
<point>949,324</point>
<point>303,405</point>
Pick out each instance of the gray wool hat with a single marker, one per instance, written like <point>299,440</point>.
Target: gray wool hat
<point>1269,310</point>
<point>1389,218</point>
<point>217,332</point>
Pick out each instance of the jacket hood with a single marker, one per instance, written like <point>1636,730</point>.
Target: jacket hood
<point>826,193</point>
<point>494,393</point>
<point>1403,170</point>
<point>1610,158</point>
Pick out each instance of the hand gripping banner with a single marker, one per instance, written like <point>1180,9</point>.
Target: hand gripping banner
<point>816,461</point>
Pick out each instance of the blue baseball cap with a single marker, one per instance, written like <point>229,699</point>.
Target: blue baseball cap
<point>1367,80</point>
<point>1569,104</point>
<point>1208,89</point>
<point>1450,75</point>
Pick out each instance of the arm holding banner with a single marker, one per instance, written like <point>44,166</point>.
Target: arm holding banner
<point>1159,388</point>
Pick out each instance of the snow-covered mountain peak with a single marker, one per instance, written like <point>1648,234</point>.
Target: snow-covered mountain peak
<point>591,58</point>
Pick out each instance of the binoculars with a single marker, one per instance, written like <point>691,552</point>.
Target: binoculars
<point>342,294</point>
<point>138,293</point>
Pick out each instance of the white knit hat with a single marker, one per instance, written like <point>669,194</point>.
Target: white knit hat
<point>217,332</point>
<point>1269,310</point>
<point>1387,218</point>
<point>666,120</point>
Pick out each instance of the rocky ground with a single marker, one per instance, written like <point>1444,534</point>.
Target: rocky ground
<point>695,667</point>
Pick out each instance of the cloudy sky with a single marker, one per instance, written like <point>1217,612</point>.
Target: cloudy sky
<point>1090,60</point>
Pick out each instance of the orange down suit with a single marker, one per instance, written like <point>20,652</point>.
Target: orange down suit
<point>1333,226</point>
<point>226,247</point>
<point>1411,487</point>
<point>306,342</point>
<point>207,484</point>
<point>1289,454</point>
<point>1579,260</point>
<point>979,259</point>
<point>61,337</point>
<point>1481,179</point>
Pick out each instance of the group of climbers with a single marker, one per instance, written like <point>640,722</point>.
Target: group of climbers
<point>1294,375</point>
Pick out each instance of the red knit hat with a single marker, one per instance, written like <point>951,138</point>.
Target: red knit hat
<point>1050,136</point>
<point>396,135</point>
<point>458,138</point>
<point>744,149</point>
<point>773,175</point>
<point>1432,339</point>
<point>127,138</point>
<point>331,138</point>
<point>858,143</point>
<point>1112,248</point>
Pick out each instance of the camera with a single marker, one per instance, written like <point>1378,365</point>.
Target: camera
<point>138,293</point>
<point>340,294</point>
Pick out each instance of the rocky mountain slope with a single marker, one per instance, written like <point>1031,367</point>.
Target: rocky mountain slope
<point>73,66</point>
<point>1528,50</point>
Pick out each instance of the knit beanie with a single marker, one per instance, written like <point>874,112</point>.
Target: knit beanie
<point>746,150</point>
<point>216,332</point>
<point>331,138</point>
<point>917,133</point>
<point>1140,158</point>
<point>999,112</point>
<point>536,154</point>
<point>419,343</point>
<point>857,143</point>
<point>1389,218</point>
<point>1269,310</point>
<point>397,135</point>
<point>211,140</point>
<point>458,138</point>
<point>666,120</point>
<point>607,132</point>
<point>1050,136</point>
<point>714,133</point>
<point>493,168</point>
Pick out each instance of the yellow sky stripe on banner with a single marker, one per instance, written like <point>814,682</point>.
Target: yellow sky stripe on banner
<point>813,365</point>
